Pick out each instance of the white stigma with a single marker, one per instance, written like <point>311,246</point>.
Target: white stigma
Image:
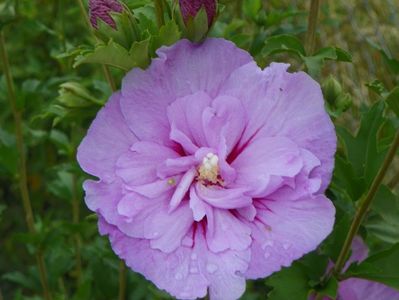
<point>209,169</point>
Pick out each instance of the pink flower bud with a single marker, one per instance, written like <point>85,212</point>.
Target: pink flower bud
<point>190,8</point>
<point>101,9</point>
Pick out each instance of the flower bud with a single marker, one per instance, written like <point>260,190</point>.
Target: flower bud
<point>337,101</point>
<point>101,9</point>
<point>190,8</point>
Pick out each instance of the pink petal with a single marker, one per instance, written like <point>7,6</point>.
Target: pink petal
<point>108,138</point>
<point>263,158</point>
<point>228,232</point>
<point>223,197</point>
<point>182,69</point>
<point>286,230</point>
<point>139,166</point>
<point>287,104</point>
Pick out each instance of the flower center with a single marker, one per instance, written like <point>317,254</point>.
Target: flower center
<point>209,169</point>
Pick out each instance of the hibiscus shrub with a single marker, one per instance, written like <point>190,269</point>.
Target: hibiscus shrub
<point>198,149</point>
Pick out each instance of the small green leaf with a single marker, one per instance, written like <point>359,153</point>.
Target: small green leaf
<point>115,55</point>
<point>315,62</point>
<point>283,43</point>
<point>251,8</point>
<point>289,283</point>
<point>377,87</point>
<point>330,289</point>
<point>384,220</point>
<point>393,100</point>
<point>168,34</point>
<point>381,267</point>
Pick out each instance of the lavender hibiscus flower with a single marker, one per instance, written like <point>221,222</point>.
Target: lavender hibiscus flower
<point>100,9</point>
<point>212,171</point>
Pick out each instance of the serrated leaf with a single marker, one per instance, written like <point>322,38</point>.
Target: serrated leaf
<point>283,43</point>
<point>381,267</point>
<point>115,55</point>
<point>362,150</point>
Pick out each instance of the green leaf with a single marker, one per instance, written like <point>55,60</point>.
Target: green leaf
<point>377,87</point>
<point>168,34</point>
<point>8,155</point>
<point>333,245</point>
<point>393,100</point>
<point>283,43</point>
<point>115,55</point>
<point>345,178</point>
<point>381,267</point>
<point>74,95</point>
<point>315,62</point>
<point>362,150</point>
<point>21,279</point>
<point>392,63</point>
<point>251,8</point>
<point>330,289</point>
<point>384,222</point>
<point>289,283</point>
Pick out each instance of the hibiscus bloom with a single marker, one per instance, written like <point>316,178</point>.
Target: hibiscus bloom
<point>362,289</point>
<point>212,171</point>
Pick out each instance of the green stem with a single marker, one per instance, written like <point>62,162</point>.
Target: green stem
<point>365,205</point>
<point>122,281</point>
<point>23,182</point>
<point>75,220</point>
<point>312,26</point>
<point>159,13</point>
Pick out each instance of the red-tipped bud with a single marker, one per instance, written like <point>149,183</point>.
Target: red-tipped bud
<point>101,9</point>
<point>190,8</point>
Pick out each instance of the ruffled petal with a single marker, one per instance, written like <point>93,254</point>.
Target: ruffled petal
<point>223,198</point>
<point>182,69</point>
<point>286,230</point>
<point>108,138</point>
<point>285,104</point>
<point>187,272</point>
<point>264,158</point>
<point>139,165</point>
<point>228,232</point>
<point>185,114</point>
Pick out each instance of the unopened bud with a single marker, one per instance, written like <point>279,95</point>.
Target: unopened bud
<point>101,9</point>
<point>190,8</point>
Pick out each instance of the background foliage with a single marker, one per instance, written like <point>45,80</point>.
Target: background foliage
<point>58,92</point>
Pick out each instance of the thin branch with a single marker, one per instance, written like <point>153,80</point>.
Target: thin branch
<point>22,173</point>
<point>365,205</point>
<point>312,26</point>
